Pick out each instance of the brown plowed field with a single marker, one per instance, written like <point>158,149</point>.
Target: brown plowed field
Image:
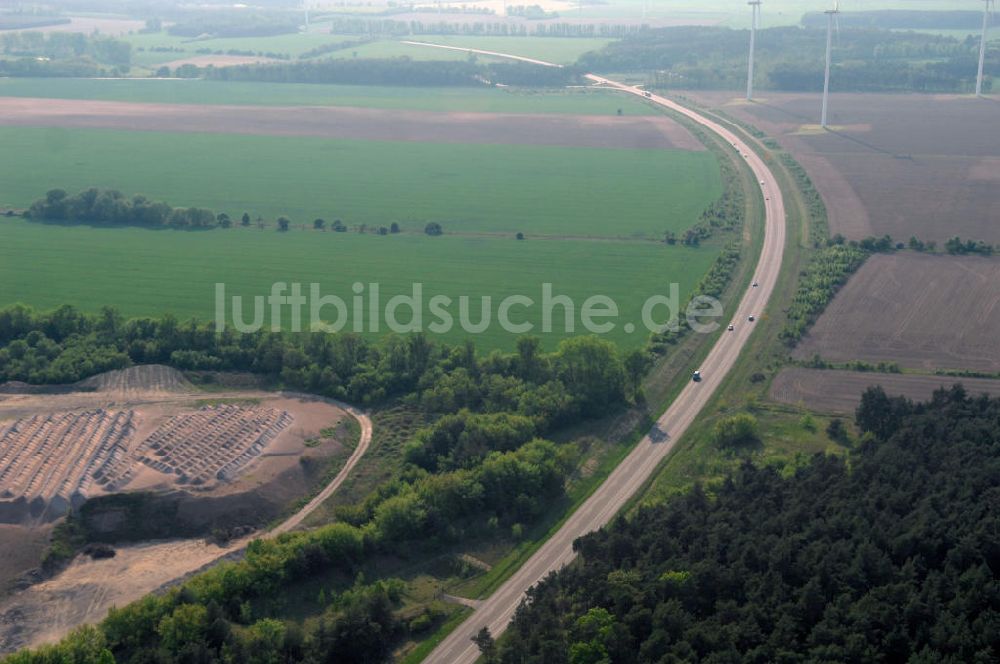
<point>354,123</point>
<point>924,165</point>
<point>217,61</point>
<point>840,391</point>
<point>918,310</point>
<point>87,25</point>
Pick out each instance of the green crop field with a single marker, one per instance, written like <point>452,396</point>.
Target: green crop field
<point>153,271</point>
<point>181,91</point>
<point>467,188</point>
<point>391,48</point>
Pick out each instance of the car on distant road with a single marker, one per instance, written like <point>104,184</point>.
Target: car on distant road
<point>731,327</point>
<point>750,318</point>
<point>696,376</point>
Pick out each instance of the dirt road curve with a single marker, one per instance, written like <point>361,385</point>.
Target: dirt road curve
<point>497,610</point>
<point>366,437</point>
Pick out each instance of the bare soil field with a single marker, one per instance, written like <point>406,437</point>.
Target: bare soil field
<point>217,61</point>
<point>924,165</point>
<point>84,591</point>
<point>925,311</point>
<point>840,391</point>
<point>652,132</point>
<point>22,548</point>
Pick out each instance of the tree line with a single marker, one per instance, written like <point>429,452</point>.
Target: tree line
<point>400,71</point>
<point>827,271</point>
<point>219,25</point>
<point>887,555</point>
<point>585,376</point>
<point>109,206</point>
<point>392,27</point>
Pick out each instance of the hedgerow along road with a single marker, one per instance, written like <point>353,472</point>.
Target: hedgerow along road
<point>496,611</point>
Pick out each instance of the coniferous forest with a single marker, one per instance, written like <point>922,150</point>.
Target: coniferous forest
<point>888,555</point>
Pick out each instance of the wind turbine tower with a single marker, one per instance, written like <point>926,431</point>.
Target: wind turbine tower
<point>755,7</point>
<point>831,15</point>
<point>982,48</point>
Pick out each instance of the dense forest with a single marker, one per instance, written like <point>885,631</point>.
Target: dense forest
<point>235,24</point>
<point>791,59</point>
<point>62,54</point>
<point>401,71</point>
<point>901,19</point>
<point>889,555</point>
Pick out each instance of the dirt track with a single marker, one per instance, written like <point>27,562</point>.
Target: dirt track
<point>840,391</point>
<point>931,312</point>
<point>650,132</point>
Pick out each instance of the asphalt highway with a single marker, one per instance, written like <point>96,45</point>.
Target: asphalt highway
<point>497,610</point>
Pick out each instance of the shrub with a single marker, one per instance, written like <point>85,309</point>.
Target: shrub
<point>737,431</point>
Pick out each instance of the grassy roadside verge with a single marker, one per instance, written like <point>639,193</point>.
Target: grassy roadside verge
<point>789,434</point>
<point>418,654</point>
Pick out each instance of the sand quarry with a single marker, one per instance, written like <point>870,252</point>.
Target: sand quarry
<point>144,428</point>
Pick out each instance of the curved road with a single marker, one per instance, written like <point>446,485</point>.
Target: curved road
<point>496,611</point>
<point>366,437</point>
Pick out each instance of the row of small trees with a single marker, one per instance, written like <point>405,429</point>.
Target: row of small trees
<point>109,206</point>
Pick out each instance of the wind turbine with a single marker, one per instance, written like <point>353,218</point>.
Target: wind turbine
<point>755,8</point>
<point>831,15</point>
<point>982,47</point>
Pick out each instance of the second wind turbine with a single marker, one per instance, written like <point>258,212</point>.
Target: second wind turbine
<point>831,15</point>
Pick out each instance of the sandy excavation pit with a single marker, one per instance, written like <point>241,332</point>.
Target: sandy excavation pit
<point>146,429</point>
<point>50,463</point>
